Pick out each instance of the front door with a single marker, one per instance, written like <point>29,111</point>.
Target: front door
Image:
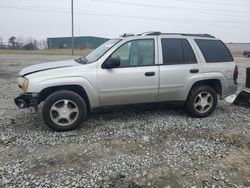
<point>135,80</point>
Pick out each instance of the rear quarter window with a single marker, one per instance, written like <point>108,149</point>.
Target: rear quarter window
<point>214,51</point>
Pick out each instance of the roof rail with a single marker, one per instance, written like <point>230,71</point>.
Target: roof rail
<point>149,33</point>
<point>192,35</point>
<point>127,35</point>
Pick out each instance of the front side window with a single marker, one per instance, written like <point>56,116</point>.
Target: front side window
<point>177,51</point>
<point>214,51</point>
<point>136,53</point>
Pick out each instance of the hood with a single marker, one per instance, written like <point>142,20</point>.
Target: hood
<point>47,66</point>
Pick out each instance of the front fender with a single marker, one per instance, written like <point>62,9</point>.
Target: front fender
<point>90,88</point>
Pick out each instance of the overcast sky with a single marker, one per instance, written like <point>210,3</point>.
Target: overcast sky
<point>228,20</point>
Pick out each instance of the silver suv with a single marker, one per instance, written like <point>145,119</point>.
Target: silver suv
<point>147,68</point>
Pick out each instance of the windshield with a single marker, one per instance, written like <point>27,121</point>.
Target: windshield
<point>101,50</point>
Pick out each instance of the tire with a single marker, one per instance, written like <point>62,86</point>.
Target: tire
<point>201,101</point>
<point>64,110</point>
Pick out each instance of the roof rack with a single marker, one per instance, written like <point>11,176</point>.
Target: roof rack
<point>149,33</point>
<point>127,35</point>
<point>182,34</point>
<point>153,33</point>
<point>189,34</point>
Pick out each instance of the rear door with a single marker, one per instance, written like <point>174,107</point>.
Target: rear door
<point>178,65</point>
<point>137,78</point>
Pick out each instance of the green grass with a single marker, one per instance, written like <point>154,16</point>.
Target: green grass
<point>82,52</point>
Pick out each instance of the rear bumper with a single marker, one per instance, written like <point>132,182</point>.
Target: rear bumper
<point>26,100</point>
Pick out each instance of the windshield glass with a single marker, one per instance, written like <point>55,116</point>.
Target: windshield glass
<point>101,50</point>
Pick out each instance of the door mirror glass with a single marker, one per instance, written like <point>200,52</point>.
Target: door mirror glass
<point>111,62</point>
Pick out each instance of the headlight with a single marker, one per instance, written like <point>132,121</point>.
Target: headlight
<point>23,83</point>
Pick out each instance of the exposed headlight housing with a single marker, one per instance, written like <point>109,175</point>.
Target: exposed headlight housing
<point>23,83</point>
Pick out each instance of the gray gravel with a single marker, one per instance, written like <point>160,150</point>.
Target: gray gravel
<point>152,146</point>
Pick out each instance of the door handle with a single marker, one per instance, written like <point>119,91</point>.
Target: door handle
<point>194,70</point>
<point>149,73</point>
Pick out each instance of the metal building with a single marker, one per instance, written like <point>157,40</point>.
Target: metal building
<point>80,42</point>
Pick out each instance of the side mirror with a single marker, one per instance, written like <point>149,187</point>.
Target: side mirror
<point>111,62</point>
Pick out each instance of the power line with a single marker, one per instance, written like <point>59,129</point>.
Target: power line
<point>198,11</point>
<point>34,9</point>
<point>132,17</point>
<point>56,9</point>
<point>214,3</point>
<point>169,6</point>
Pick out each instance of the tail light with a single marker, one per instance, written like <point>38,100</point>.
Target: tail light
<point>236,74</point>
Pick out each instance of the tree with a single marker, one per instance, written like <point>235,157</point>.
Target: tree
<point>32,44</point>
<point>35,44</point>
<point>1,42</point>
<point>42,44</point>
<point>19,42</point>
<point>29,46</point>
<point>12,41</point>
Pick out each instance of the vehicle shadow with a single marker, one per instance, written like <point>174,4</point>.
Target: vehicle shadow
<point>143,112</point>
<point>139,112</point>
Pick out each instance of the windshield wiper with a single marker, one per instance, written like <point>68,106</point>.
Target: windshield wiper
<point>82,60</point>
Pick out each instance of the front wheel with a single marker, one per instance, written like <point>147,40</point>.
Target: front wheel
<point>201,101</point>
<point>64,110</point>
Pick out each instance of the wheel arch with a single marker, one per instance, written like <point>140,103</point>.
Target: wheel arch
<point>214,83</point>
<point>75,88</point>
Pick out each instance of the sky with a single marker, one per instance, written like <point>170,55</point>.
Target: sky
<point>39,19</point>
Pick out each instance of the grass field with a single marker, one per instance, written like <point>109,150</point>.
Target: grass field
<point>82,52</point>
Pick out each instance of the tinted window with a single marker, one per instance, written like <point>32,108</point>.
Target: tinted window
<point>214,50</point>
<point>136,53</point>
<point>177,51</point>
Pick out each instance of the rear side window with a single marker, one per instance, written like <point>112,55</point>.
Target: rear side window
<point>214,51</point>
<point>177,51</point>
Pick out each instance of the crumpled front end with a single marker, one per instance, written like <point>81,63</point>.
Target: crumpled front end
<point>27,100</point>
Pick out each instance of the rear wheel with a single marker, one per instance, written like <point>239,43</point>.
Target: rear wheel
<point>64,110</point>
<point>201,101</point>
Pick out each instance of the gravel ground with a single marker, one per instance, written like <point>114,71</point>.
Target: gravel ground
<point>157,146</point>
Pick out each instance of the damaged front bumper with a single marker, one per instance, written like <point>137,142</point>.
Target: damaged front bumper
<point>27,100</point>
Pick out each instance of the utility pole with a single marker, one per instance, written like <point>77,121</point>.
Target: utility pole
<point>72,22</point>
